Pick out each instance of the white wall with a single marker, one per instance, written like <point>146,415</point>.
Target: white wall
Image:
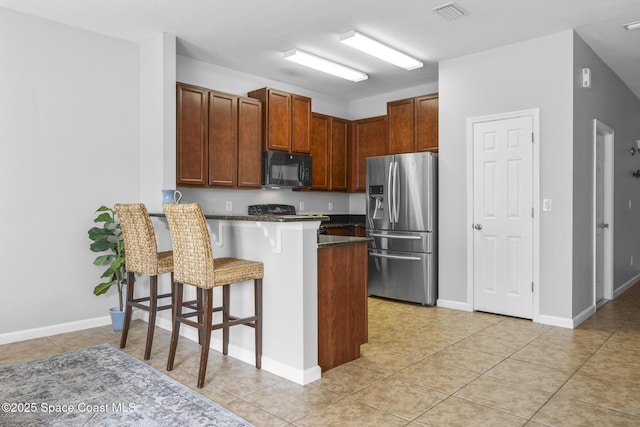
<point>532,74</point>
<point>68,144</point>
<point>610,101</point>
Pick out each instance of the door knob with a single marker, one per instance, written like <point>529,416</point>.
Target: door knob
<point>604,225</point>
<point>478,226</point>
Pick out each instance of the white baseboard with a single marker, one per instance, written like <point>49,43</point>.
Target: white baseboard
<point>456,305</point>
<point>619,290</point>
<point>61,328</point>
<point>562,322</point>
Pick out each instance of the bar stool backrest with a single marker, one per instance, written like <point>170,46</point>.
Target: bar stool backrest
<point>192,254</point>
<point>140,246</point>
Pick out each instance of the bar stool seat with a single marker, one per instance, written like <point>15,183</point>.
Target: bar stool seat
<point>194,265</point>
<point>142,258</point>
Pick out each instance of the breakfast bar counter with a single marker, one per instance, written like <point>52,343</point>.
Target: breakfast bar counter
<point>287,245</point>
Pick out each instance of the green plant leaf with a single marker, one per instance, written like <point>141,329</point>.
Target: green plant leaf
<point>102,288</point>
<point>117,263</point>
<point>101,246</point>
<point>97,233</point>
<point>104,217</point>
<point>103,259</point>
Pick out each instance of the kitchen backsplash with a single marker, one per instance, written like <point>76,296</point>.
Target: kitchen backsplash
<point>305,202</point>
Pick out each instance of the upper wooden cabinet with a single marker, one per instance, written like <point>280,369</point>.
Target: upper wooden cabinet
<point>339,153</point>
<point>249,143</point>
<point>219,139</point>
<point>320,134</point>
<point>192,129</point>
<point>329,152</point>
<point>400,116</point>
<point>413,124</point>
<point>369,139</point>
<point>286,120</point>
<point>426,122</point>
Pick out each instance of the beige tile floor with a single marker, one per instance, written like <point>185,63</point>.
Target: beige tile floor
<point>425,366</point>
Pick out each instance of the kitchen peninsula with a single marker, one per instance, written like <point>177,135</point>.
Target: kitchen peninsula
<point>289,247</point>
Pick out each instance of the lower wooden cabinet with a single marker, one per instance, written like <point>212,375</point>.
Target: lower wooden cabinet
<point>342,303</point>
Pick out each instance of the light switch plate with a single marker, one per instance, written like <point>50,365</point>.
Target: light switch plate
<point>546,205</point>
<point>228,206</point>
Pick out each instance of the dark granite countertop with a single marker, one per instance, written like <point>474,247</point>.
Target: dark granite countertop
<point>325,241</point>
<point>262,218</point>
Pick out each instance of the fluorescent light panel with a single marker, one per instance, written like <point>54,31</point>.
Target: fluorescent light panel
<point>324,65</point>
<point>374,48</point>
<point>632,26</point>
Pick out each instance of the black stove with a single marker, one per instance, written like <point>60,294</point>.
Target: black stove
<point>272,209</point>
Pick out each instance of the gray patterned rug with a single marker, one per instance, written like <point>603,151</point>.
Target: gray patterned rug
<point>101,386</point>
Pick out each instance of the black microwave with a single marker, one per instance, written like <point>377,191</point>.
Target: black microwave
<point>285,170</point>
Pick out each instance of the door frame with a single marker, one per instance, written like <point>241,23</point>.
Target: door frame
<point>534,113</point>
<point>609,139</point>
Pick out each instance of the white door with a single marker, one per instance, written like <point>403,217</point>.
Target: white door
<point>502,216</point>
<point>601,225</point>
<point>603,137</point>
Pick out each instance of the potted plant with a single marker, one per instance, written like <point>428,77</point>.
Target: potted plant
<point>108,238</point>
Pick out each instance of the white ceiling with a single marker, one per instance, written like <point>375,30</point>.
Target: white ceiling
<point>251,35</point>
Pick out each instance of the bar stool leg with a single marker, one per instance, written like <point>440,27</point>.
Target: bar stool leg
<point>177,312</point>
<point>257,285</point>
<point>206,335</point>
<point>200,311</point>
<point>127,311</point>
<point>225,319</point>
<point>153,309</point>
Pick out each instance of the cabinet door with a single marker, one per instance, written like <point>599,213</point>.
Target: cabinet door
<point>369,140</point>
<point>223,139</point>
<point>300,124</point>
<point>320,134</point>
<point>426,114</point>
<point>401,126</point>
<point>191,135</point>
<point>276,118</point>
<point>339,152</point>
<point>249,143</point>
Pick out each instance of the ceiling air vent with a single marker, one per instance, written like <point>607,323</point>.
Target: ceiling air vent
<point>450,11</point>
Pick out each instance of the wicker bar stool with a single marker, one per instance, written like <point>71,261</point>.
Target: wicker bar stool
<point>142,257</point>
<point>195,265</point>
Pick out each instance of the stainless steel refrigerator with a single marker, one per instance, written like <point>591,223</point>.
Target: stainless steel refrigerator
<point>402,197</point>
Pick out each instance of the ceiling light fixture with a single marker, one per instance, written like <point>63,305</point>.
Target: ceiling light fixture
<point>632,26</point>
<point>379,50</point>
<point>324,65</point>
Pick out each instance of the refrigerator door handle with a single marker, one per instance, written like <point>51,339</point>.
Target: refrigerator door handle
<point>394,236</point>
<point>390,193</point>
<point>403,257</point>
<point>396,192</point>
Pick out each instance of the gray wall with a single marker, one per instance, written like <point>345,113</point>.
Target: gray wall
<point>532,74</point>
<point>68,143</point>
<point>610,101</point>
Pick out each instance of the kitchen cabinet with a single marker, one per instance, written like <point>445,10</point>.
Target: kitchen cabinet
<point>426,136</point>
<point>413,124</point>
<point>368,139</point>
<point>219,137</point>
<point>329,152</point>
<point>342,303</point>
<point>400,115</point>
<point>339,153</point>
<point>347,230</point>
<point>320,134</point>
<point>191,135</point>
<point>286,120</point>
